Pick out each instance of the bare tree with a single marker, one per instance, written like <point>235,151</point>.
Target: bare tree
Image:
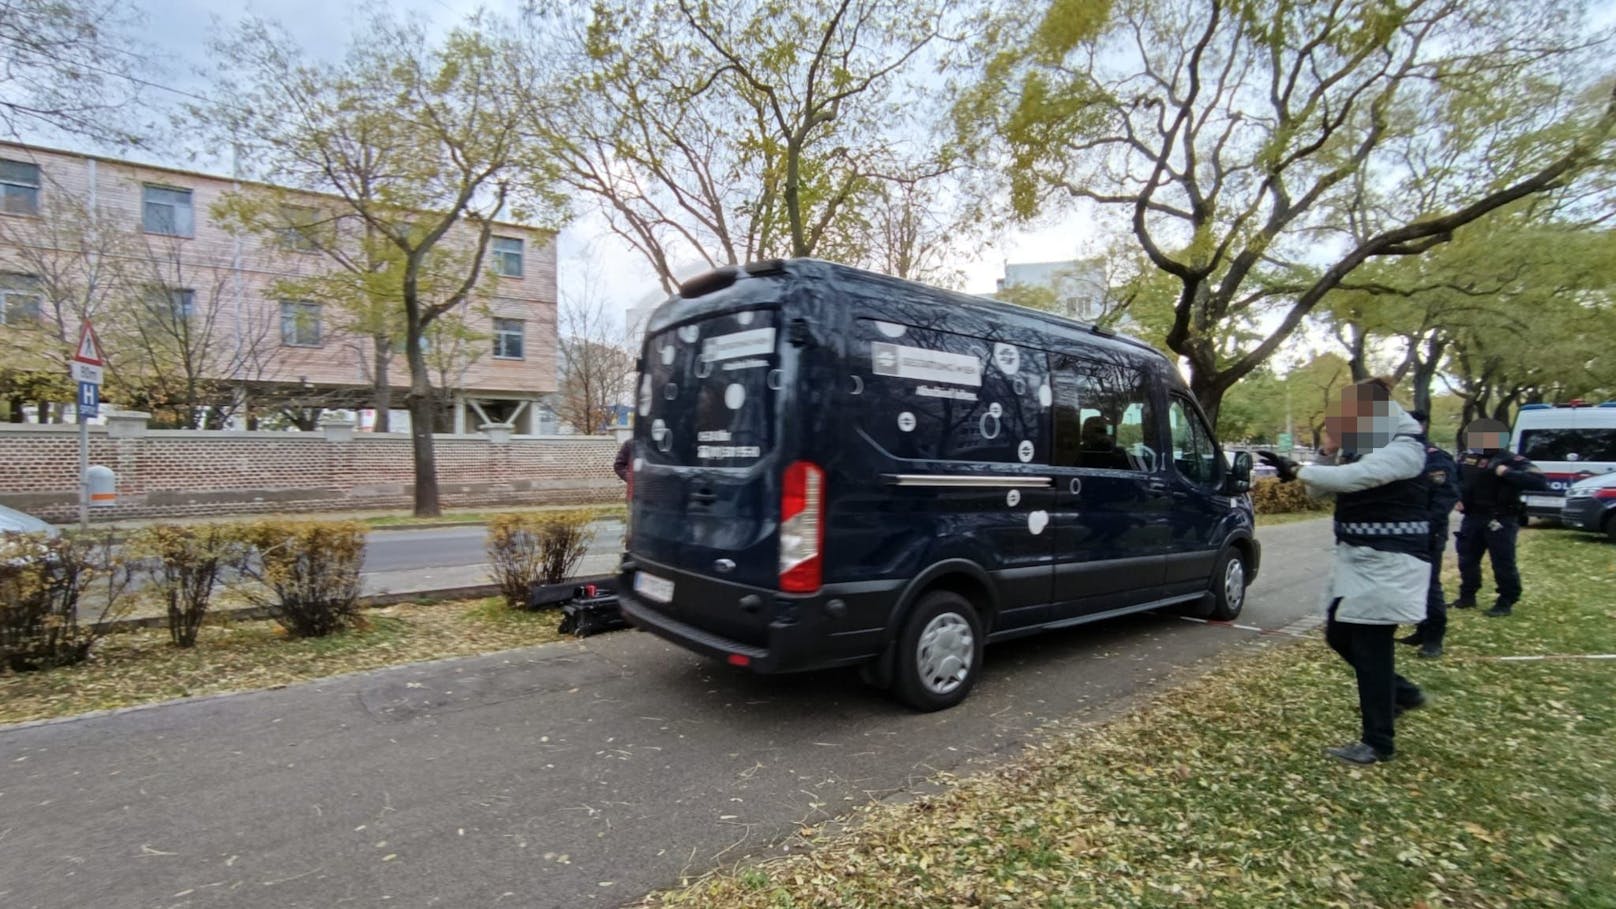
<point>597,369</point>
<point>70,65</point>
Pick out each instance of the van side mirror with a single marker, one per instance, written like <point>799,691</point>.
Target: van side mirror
<point>1238,482</point>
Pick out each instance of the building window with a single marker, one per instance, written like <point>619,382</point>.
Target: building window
<point>168,211</point>
<point>508,339</point>
<point>20,300</point>
<point>300,323</point>
<point>298,234</point>
<point>508,256</point>
<point>19,188</point>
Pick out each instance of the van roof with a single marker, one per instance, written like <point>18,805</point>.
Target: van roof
<point>671,311</point>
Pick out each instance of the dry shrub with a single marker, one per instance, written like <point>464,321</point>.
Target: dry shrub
<point>308,572</point>
<point>47,585</point>
<point>1270,496</point>
<point>526,548</point>
<point>186,562</point>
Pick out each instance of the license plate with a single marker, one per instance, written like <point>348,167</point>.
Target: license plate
<point>653,588</point>
<point>1544,501</point>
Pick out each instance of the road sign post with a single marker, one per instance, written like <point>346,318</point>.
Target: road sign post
<point>86,366</point>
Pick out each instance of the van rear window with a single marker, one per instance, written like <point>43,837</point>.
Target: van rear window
<point>707,397</point>
<point>922,393</point>
<point>1587,444</point>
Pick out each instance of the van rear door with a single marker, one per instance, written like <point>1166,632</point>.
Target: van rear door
<point>707,493</point>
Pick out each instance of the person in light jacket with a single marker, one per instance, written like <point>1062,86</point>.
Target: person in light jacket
<point>1382,559</point>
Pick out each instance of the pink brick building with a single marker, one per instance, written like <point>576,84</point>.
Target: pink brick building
<point>165,221</point>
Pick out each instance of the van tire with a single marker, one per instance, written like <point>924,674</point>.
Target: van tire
<point>1229,585</point>
<point>939,652</point>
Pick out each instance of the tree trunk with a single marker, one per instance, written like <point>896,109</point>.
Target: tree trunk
<point>381,386</point>
<point>15,404</point>
<point>422,407</point>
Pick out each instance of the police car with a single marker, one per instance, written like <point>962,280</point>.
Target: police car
<point>1568,442</point>
<point>1591,505</point>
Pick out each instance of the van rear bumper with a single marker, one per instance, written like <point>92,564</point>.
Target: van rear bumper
<point>805,632</point>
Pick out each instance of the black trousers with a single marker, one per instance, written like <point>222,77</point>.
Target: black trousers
<point>1435,625</point>
<point>1368,649</point>
<point>1477,536</point>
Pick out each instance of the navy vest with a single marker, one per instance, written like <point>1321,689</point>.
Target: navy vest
<point>1395,517</point>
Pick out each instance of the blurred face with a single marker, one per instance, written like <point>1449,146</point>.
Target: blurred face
<point>1359,422</point>
<point>1486,434</point>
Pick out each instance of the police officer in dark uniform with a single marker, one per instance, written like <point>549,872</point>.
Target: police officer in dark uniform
<point>1491,480</point>
<point>1442,481</point>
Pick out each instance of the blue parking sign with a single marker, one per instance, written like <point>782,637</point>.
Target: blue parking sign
<point>89,399</point>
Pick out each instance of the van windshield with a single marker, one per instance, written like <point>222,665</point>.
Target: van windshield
<point>1587,444</point>
<point>707,396</point>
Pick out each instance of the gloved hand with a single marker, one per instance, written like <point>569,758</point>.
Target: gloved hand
<point>1286,467</point>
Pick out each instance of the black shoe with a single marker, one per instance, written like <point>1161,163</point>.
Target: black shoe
<point>1431,650</point>
<point>1358,753</point>
<point>1413,639</point>
<point>1419,700</point>
<point>1500,610</point>
<point>1462,603</point>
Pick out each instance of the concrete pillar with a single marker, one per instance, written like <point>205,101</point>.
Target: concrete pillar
<point>126,424</point>
<point>338,430</point>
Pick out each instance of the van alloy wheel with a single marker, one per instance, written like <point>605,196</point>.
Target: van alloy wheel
<point>1228,585</point>
<point>945,652</point>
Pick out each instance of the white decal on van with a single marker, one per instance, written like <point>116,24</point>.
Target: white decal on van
<point>645,395</point>
<point>715,452</point>
<point>989,425</point>
<point>745,317</point>
<point>1012,498</point>
<point>891,329</point>
<point>1024,451</point>
<point>734,396</point>
<point>689,333</point>
<point>924,365</point>
<point>906,421</point>
<point>713,435</point>
<point>957,394</point>
<point>756,342</point>
<point>1037,521</point>
<point>1045,396</point>
<point>668,353</point>
<point>733,365</point>
<point>658,429</point>
<point>1007,358</point>
<point>996,410</point>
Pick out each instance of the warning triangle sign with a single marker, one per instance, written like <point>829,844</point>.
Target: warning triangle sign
<point>89,346</point>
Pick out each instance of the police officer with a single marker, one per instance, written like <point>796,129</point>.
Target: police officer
<point>1442,480</point>
<point>1491,480</point>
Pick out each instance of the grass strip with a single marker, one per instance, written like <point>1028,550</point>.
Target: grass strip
<point>138,667</point>
<point>1216,793</point>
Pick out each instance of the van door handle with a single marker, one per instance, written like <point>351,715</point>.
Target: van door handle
<point>704,497</point>
<point>1156,485</point>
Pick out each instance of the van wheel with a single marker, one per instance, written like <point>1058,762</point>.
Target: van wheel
<point>939,652</point>
<point>1229,586</point>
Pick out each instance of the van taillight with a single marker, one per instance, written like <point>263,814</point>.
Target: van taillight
<point>802,528</point>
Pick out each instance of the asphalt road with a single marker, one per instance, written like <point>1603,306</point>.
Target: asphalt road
<point>560,776</point>
<point>445,546</point>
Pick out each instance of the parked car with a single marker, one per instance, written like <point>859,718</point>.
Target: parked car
<point>1591,505</point>
<point>14,521</point>
<point>834,468</point>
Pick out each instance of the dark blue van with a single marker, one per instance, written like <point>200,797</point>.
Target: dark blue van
<point>834,467</point>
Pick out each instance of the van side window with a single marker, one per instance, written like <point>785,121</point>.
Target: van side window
<point>1103,416</point>
<point>927,394</point>
<point>1194,454</point>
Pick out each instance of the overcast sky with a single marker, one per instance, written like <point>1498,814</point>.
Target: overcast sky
<point>179,30</point>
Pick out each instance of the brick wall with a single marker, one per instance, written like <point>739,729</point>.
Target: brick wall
<point>190,473</point>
